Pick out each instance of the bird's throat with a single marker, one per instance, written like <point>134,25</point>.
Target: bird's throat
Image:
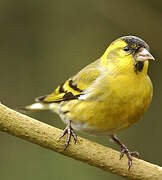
<point>138,66</point>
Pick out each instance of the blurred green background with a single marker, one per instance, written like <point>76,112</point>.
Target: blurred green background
<point>44,42</point>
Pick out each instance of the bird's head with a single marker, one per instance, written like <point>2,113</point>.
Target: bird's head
<point>128,53</point>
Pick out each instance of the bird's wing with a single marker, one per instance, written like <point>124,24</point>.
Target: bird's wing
<point>73,87</point>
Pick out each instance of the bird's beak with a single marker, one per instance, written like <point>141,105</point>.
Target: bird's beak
<point>143,55</point>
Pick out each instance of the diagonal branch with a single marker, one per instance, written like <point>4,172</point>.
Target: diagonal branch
<point>86,151</point>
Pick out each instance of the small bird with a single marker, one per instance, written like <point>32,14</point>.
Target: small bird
<point>106,96</point>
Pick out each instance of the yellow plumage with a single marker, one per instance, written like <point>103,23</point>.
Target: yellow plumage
<point>108,95</point>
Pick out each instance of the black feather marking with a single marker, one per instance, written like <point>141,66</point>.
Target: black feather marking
<point>69,96</point>
<point>139,66</point>
<point>40,98</point>
<point>135,42</point>
<point>61,89</point>
<point>65,112</point>
<point>66,97</point>
<point>74,87</point>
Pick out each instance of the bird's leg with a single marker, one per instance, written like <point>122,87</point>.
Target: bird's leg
<point>125,150</point>
<point>70,133</point>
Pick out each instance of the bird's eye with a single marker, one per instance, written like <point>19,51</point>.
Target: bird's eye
<point>126,48</point>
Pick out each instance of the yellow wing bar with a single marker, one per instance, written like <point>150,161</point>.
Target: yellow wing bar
<point>66,91</point>
<point>73,87</point>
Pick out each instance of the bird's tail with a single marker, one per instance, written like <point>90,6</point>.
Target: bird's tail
<point>33,108</point>
<point>36,107</point>
<point>40,105</point>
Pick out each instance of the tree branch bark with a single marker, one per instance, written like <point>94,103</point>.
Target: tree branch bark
<point>86,151</point>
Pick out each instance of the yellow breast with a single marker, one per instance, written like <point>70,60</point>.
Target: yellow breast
<point>121,104</point>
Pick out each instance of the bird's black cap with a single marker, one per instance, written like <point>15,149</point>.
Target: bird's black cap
<point>135,42</point>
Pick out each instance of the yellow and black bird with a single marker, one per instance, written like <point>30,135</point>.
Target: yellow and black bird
<point>106,96</point>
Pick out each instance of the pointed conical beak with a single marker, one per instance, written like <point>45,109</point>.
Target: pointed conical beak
<point>143,55</point>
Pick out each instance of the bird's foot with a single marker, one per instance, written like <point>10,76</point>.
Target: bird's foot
<point>70,133</point>
<point>125,150</point>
